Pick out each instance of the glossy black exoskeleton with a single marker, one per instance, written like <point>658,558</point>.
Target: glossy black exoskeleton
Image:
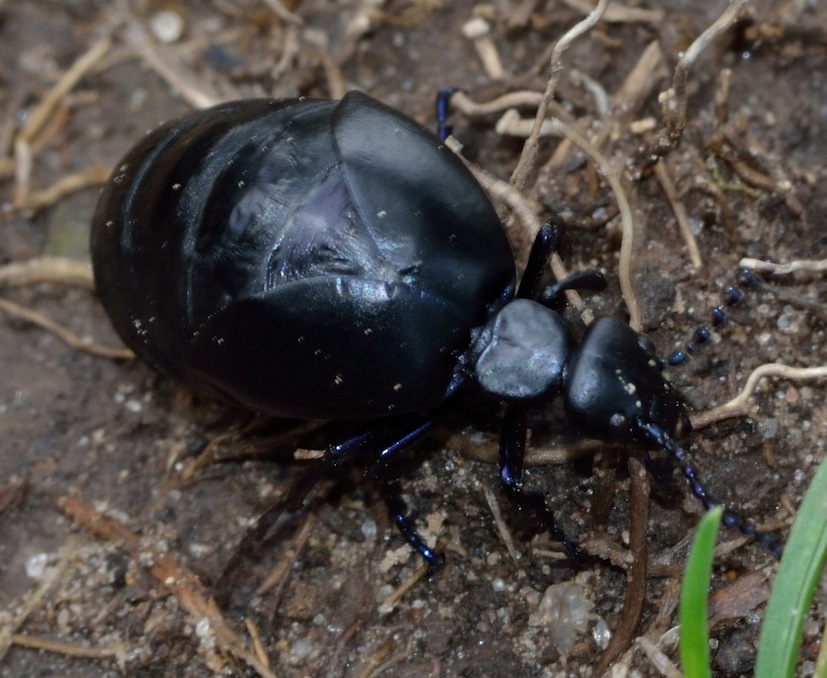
<point>333,260</point>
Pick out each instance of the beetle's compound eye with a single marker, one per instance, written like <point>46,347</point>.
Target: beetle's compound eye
<point>526,353</point>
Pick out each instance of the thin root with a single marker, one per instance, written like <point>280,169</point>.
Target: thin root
<point>771,268</point>
<point>61,270</point>
<point>502,528</point>
<point>674,100</point>
<point>679,211</point>
<point>387,605</point>
<point>38,122</point>
<point>737,406</point>
<point>65,335</point>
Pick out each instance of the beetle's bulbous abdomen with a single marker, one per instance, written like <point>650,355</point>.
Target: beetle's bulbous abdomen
<point>308,258</point>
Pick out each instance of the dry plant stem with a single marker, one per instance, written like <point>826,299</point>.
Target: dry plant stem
<point>34,598</point>
<point>255,638</point>
<point>61,270</point>
<point>665,181</point>
<point>183,84</point>
<point>488,451</point>
<point>738,404</point>
<point>478,31</point>
<point>754,177</point>
<point>616,13</point>
<point>278,576</point>
<point>529,154</point>
<point>336,81</point>
<point>69,649</point>
<point>387,605</point>
<point>502,528</point>
<point>635,593</point>
<point>40,117</point>
<point>71,183</point>
<point>528,98</point>
<point>289,50</point>
<point>627,101</point>
<point>626,219</point>
<point>501,191</point>
<point>661,662</point>
<point>658,635</point>
<point>808,265</point>
<point>674,99</point>
<point>416,12</point>
<point>376,664</point>
<point>192,595</point>
<point>66,336</point>
<point>283,13</point>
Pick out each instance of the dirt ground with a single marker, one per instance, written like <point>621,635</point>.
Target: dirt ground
<point>749,171</point>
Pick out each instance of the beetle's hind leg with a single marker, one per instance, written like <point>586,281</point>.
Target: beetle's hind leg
<point>392,494</point>
<point>384,445</point>
<point>378,449</point>
<point>512,449</point>
<point>385,472</point>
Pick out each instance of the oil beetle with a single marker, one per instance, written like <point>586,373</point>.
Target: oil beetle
<point>333,260</point>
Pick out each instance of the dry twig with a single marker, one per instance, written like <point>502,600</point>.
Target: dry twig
<point>387,605</point>
<point>37,123</point>
<point>34,598</point>
<point>60,270</point>
<point>635,593</point>
<point>502,527</point>
<point>65,335</point>
<point>674,99</point>
<point>679,211</point>
<point>165,568</point>
<point>529,154</point>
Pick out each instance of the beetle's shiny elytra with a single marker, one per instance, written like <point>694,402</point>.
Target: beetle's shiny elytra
<point>306,258</point>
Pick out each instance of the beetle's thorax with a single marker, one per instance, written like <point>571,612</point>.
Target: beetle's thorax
<point>520,356</point>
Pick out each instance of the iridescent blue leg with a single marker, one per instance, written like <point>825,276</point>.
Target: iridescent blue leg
<point>392,494</point>
<point>443,105</point>
<point>381,444</point>
<point>512,449</point>
<point>663,441</point>
<point>384,458</point>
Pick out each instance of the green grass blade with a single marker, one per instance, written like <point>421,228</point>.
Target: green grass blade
<point>795,584</point>
<point>694,634</point>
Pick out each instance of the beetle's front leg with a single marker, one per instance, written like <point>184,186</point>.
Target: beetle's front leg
<point>512,448</point>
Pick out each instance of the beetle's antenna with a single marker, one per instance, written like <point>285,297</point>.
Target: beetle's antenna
<point>719,316</point>
<point>656,435</point>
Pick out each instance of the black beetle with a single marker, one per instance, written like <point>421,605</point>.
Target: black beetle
<point>333,260</point>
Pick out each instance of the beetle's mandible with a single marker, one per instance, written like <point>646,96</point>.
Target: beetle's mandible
<point>333,260</point>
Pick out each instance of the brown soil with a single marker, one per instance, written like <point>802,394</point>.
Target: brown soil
<point>116,436</point>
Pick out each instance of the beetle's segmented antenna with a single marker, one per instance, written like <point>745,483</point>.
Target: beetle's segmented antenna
<point>732,296</point>
<point>661,439</point>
